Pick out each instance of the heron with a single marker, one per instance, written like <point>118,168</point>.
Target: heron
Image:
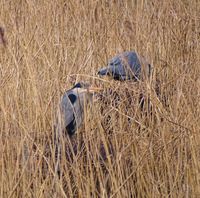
<point>71,114</point>
<point>71,108</point>
<point>126,66</point>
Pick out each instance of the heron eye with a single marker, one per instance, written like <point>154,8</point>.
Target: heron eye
<point>72,98</point>
<point>78,85</point>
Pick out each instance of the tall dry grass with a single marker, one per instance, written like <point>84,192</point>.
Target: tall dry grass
<point>52,44</point>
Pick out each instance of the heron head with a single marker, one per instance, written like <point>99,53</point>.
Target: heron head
<point>81,84</point>
<point>115,67</point>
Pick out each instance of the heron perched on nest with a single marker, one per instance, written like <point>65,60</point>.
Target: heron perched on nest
<point>71,108</point>
<point>126,66</point>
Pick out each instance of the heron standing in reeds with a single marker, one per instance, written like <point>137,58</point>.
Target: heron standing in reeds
<point>130,67</point>
<point>71,113</point>
<point>71,108</point>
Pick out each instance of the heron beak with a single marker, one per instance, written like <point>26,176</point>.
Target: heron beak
<point>103,71</point>
<point>94,89</point>
<point>89,90</point>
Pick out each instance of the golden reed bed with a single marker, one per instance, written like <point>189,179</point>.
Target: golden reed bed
<point>49,45</point>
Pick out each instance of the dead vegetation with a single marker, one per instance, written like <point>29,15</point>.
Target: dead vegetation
<point>120,151</point>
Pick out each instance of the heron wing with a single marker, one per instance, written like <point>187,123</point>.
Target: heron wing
<point>79,107</point>
<point>71,127</point>
<point>66,109</point>
<point>134,63</point>
<point>117,68</point>
<point>125,66</point>
<point>72,109</point>
<point>103,71</point>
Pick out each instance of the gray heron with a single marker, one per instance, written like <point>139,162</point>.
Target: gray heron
<point>126,66</point>
<point>70,114</point>
<point>71,108</point>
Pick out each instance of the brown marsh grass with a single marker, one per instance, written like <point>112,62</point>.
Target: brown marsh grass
<point>52,44</point>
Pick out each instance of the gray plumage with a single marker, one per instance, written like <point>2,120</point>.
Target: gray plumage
<point>126,66</point>
<point>70,115</point>
<point>71,109</point>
